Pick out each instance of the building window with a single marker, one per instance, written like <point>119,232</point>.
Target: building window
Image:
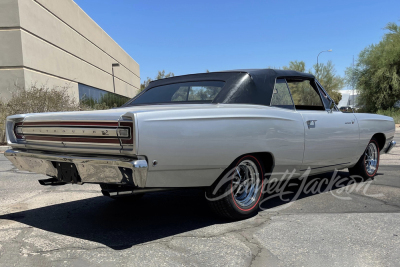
<point>91,96</point>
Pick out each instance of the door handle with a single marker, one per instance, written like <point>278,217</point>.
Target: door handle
<point>311,123</point>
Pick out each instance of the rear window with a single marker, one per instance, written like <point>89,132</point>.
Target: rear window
<point>181,93</point>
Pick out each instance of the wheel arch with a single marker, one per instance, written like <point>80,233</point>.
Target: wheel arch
<point>381,138</point>
<point>267,161</point>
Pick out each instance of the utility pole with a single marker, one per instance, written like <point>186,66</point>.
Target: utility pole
<point>352,84</point>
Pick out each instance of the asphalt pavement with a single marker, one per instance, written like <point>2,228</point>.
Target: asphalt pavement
<point>352,223</point>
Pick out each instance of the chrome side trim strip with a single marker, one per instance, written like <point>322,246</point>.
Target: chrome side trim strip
<point>91,169</point>
<point>321,167</point>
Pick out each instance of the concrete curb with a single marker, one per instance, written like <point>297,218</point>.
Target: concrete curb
<point>4,148</point>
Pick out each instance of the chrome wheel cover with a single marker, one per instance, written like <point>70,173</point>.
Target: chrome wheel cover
<point>246,183</point>
<point>371,158</point>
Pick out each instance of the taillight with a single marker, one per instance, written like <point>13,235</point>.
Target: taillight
<point>125,132</point>
<point>18,130</point>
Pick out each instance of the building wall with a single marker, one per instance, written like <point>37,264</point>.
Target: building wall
<point>349,98</point>
<point>56,42</point>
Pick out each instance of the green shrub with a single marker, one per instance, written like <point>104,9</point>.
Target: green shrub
<point>392,112</point>
<point>36,99</point>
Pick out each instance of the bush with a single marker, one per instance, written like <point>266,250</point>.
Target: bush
<point>393,112</point>
<point>34,100</point>
<point>37,99</point>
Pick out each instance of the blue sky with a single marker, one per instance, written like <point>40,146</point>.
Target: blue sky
<point>192,36</point>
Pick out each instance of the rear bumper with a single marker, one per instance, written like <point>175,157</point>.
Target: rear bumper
<point>121,170</point>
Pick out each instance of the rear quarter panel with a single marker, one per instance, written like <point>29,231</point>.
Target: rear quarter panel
<point>371,124</point>
<point>193,147</point>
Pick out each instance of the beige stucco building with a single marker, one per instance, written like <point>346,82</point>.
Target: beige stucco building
<point>54,42</point>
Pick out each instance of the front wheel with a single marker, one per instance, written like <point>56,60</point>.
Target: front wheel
<point>367,166</point>
<point>237,194</point>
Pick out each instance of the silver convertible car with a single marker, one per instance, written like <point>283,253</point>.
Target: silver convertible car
<point>226,132</point>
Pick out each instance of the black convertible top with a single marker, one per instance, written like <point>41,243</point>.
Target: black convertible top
<point>250,86</point>
<point>273,72</point>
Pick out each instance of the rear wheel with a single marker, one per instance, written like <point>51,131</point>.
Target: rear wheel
<point>367,166</point>
<point>112,187</point>
<point>237,194</point>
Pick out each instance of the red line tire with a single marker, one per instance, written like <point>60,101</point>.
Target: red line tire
<point>232,196</point>
<point>361,168</point>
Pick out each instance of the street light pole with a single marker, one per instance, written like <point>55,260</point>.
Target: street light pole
<point>114,65</point>
<point>354,103</point>
<point>330,50</point>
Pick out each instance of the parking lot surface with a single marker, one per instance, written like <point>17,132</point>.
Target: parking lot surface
<point>352,224</point>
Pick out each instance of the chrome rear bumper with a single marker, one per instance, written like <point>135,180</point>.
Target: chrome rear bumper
<point>392,144</point>
<point>122,170</point>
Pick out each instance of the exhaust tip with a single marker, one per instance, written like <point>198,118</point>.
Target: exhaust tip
<point>116,193</point>
<point>51,182</point>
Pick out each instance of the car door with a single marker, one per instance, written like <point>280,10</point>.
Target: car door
<point>286,133</point>
<point>331,137</point>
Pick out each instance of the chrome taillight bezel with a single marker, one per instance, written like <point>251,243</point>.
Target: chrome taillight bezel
<point>18,135</point>
<point>128,144</point>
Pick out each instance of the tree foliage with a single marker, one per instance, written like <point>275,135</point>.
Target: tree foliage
<point>105,101</point>
<point>160,75</point>
<point>36,99</point>
<point>376,74</point>
<point>332,83</point>
<point>296,65</point>
<point>325,74</point>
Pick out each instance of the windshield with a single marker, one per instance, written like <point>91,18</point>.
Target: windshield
<point>180,93</point>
